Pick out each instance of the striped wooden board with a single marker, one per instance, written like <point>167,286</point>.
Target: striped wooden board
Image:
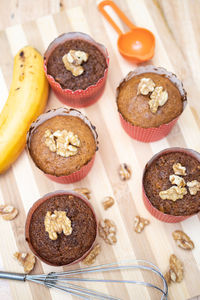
<point>23,184</point>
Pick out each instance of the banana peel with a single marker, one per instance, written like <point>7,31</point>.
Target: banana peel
<point>26,101</point>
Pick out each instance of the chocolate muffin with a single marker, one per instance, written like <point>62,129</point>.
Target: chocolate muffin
<point>60,248</point>
<point>62,141</point>
<point>172,183</point>
<point>93,64</point>
<point>149,97</point>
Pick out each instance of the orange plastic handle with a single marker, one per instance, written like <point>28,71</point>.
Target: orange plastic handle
<point>118,11</point>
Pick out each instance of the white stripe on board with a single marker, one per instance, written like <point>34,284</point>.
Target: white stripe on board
<point>4,91</point>
<point>78,20</point>
<point>16,38</point>
<point>47,29</point>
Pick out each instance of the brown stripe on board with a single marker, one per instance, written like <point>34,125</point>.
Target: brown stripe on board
<point>6,59</point>
<point>12,196</point>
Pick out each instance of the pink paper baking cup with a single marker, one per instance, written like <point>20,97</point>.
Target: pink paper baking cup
<point>74,177</point>
<point>151,134</point>
<point>154,211</point>
<point>38,203</point>
<point>78,98</point>
<point>84,170</point>
<point>147,135</point>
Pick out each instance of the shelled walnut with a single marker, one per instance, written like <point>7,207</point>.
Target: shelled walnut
<point>145,86</point>
<point>140,223</point>
<point>91,257</point>
<point>108,202</point>
<point>176,271</point>
<point>73,61</point>
<point>107,230</point>
<point>57,222</point>
<point>8,212</point>
<point>27,260</point>
<point>124,172</point>
<point>182,240</point>
<point>85,191</point>
<point>173,193</point>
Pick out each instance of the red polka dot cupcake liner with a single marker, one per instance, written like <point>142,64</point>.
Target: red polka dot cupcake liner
<point>78,98</point>
<point>154,211</point>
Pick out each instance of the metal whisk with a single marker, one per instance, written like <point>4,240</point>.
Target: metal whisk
<point>62,280</point>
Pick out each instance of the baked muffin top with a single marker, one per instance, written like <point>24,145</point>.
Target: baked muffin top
<point>65,248</point>
<point>157,179</point>
<point>62,144</point>
<point>94,67</point>
<point>134,105</point>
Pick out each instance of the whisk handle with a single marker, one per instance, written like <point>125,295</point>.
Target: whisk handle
<point>13,276</point>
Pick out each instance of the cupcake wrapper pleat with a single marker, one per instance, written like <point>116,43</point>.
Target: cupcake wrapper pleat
<point>160,215</point>
<point>147,135</point>
<point>74,177</point>
<point>79,98</point>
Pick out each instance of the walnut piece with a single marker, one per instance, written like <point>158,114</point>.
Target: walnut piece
<point>182,240</point>
<point>8,212</point>
<point>108,202</point>
<point>73,61</point>
<point>140,223</point>
<point>64,143</point>
<point>56,223</point>
<point>158,98</point>
<point>124,172</point>
<point>27,260</point>
<point>145,86</point>
<point>176,268</point>
<point>91,257</point>
<point>177,180</point>
<point>85,191</point>
<point>179,169</point>
<point>168,277</point>
<point>175,272</point>
<point>194,187</point>
<point>173,193</point>
<point>107,230</point>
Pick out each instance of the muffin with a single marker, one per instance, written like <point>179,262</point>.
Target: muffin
<point>171,184</point>
<point>61,228</point>
<point>76,68</point>
<point>149,102</point>
<point>62,143</point>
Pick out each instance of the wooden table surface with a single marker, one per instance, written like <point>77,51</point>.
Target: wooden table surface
<point>176,24</point>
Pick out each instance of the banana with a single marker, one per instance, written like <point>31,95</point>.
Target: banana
<point>26,101</point>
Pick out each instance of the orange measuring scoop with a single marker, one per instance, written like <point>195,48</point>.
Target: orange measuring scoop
<point>136,45</point>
